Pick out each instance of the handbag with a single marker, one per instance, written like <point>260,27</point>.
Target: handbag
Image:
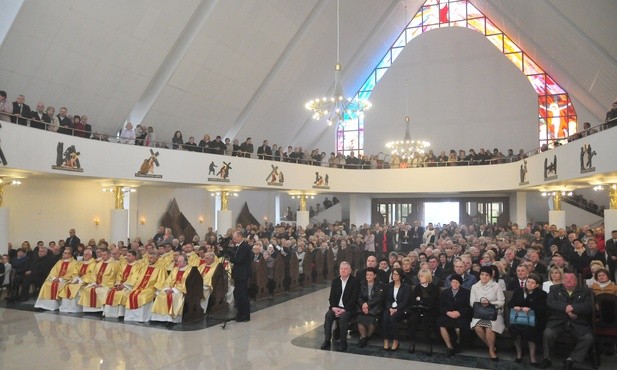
<point>482,312</point>
<point>522,318</point>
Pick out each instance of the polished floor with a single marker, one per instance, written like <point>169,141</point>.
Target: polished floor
<point>279,337</point>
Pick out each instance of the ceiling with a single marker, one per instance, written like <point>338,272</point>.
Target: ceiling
<point>244,68</point>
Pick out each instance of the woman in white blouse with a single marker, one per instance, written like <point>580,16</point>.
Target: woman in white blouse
<point>487,291</point>
<point>555,276</point>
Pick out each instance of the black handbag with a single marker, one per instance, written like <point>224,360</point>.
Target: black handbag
<point>482,312</point>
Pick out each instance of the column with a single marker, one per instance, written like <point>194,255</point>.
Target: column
<point>518,208</point>
<point>223,216</point>
<point>4,229</point>
<point>119,218</point>
<point>359,209</point>
<point>119,225</point>
<point>610,215</point>
<point>303,217</point>
<point>277,209</point>
<point>557,218</point>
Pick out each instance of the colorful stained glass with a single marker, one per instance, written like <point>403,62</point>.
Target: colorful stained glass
<point>496,40</point>
<point>509,46</point>
<point>556,115</point>
<point>477,24</point>
<point>516,59</point>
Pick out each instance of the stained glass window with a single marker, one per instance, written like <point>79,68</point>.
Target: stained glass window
<point>556,114</point>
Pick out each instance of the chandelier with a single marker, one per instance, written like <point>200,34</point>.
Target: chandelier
<point>337,108</point>
<point>407,148</point>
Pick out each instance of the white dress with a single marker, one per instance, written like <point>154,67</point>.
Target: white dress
<point>491,291</point>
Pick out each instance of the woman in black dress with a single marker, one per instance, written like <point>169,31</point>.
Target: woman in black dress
<point>370,300</point>
<point>454,312</point>
<point>424,304</point>
<point>397,303</point>
<point>532,297</point>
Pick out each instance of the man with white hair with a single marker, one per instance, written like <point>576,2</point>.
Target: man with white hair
<point>343,305</point>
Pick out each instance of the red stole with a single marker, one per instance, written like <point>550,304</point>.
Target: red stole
<point>206,269</point>
<point>54,284</point>
<point>99,280</point>
<point>83,269</point>
<point>169,293</point>
<point>126,272</point>
<point>135,293</point>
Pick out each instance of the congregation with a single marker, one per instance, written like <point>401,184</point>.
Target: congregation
<point>405,281</point>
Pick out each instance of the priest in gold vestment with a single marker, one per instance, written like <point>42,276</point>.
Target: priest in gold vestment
<point>99,282</point>
<point>169,301</point>
<point>62,273</point>
<point>143,288</point>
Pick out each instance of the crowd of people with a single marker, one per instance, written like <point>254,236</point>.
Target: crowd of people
<point>45,118</point>
<point>415,280</point>
<point>439,279</point>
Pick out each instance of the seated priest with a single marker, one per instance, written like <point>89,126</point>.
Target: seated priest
<point>142,289</point>
<point>192,257</point>
<point>116,297</point>
<point>207,269</point>
<point>60,275</point>
<point>99,282</point>
<point>167,259</point>
<point>72,291</point>
<point>169,301</point>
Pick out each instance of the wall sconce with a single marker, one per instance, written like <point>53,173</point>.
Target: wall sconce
<point>142,220</point>
<point>97,221</point>
<point>200,219</point>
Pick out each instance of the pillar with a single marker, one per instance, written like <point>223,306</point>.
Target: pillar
<point>4,230</point>
<point>557,218</point>
<point>518,207</point>
<point>223,221</point>
<point>359,209</point>
<point>303,218</point>
<point>610,222</point>
<point>119,225</point>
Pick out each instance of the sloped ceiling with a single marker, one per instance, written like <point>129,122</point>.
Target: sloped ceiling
<point>253,63</point>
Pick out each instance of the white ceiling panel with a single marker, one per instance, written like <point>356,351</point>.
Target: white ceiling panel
<point>253,63</point>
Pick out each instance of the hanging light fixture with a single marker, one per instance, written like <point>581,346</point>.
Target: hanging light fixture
<point>337,108</point>
<point>407,148</point>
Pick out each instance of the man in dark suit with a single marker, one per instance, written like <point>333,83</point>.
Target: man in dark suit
<point>66,126</point>
<point>21,109</point>
<point>343,305</point>
<point>72,241</point>
<point>404,239</point>
<point>39,118</point>
<point>611,254</point>
<point>371,261</point>
<point>521,278</point>
<point>439,273</point>
<point>417,232</point>
<point>264,151</point>
<point>241,273</point>
<point>569,310</point>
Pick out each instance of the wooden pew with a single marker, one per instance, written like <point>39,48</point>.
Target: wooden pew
<point>192,310</point>
<point>220,287</point>
<point>328,269</point>
<point>279,274</point>
<point>294,272</point>
<point>308,260</point>
<point>317,263</point>
<point>258,284</point>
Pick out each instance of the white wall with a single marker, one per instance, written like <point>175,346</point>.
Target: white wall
<point>461,93</point>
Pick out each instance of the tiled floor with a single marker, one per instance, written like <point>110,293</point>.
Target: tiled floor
<point>279,337</point>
